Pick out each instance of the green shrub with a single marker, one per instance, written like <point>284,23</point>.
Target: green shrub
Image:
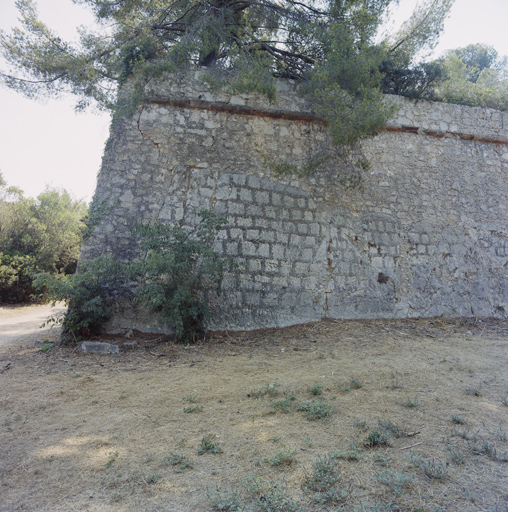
<point>181,276</point>
<point>88,294</point>
<point>224,501</point>
<point>432,468</point>
<point>15,281</point>
<point>179,462</point>
<point>316,389</point>
<point>269,496</point>
<point>285,405</point>
<point>376,438</point>
<point>178,280</point>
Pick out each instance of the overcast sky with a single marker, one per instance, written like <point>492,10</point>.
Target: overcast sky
<point>48,144</point>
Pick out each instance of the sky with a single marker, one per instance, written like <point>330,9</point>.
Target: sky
<point>48,144</point>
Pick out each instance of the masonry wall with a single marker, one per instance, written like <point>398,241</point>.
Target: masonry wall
<point>426,235</point>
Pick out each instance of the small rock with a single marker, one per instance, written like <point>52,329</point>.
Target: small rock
<point>97,347</point>
<point>128,345</point>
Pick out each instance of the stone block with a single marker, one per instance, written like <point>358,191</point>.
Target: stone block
<point>278,251</point>
<point>254,211</point>
<point>302,229</point>
<point>97,347</point>
<point>246,195</point>
<point>236,209</point>
<point>264,250</point>
<point>276,199</point>
<point>248,248</point>
<point>254,265</point>
<point>254,182</point>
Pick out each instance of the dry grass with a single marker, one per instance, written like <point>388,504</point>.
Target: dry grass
<point>101,433</point>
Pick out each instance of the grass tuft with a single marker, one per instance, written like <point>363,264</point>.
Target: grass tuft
<point>392,429</point>
<point>190,410</point>
<point>323,483</point>
<point>395,481</point>
<point>362,425</point>
<point>412,402</point>
<point>283,458</point>
<point>355,384</point>
<point>457,456</point>
<point>152,479</point>
<point>376,438</point>
<point>285,406</point>
<point>395,382</point>
<point>433,469</point>
<point>269,496</point>
<point>463,434</point>
<point>316,389</point>
<point>319,410</point>
<point>224,501</point>
<point>487,449</point>
<point>179,462</point>
<point>208,446</point>
<point>354,453</point>
<point>271,390</point>
<point>473,391</point>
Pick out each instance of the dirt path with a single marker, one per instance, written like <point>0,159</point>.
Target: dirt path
<point>22,322</point>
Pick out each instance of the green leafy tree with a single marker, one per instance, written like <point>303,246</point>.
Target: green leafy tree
<point>330,46</point>
<point>404,69</point>
<point>477,58</point>
<point>42,234</point>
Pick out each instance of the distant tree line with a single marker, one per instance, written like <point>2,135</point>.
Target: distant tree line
<point>36,235</point>
<point>474,75</point>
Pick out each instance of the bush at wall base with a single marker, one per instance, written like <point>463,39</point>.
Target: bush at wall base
<point>88,295</point>
<point>179,280</point>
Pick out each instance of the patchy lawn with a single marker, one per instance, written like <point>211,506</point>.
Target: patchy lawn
<point>402,415</point>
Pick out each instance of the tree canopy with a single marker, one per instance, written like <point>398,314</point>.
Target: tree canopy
<point>332,47</point>
<point>42,234</point>
<point>478,57</point>
<point>475,76</point>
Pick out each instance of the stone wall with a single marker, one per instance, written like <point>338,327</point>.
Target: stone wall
<point>426,234</point>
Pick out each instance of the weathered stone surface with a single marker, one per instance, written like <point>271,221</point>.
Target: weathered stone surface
<point>426,235</point>
<point>96,347</point>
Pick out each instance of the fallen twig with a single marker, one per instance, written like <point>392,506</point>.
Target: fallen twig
<point>157,354</point>
<point>412,446</point>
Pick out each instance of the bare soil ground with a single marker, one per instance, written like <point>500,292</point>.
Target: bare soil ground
<point>102,433</point>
